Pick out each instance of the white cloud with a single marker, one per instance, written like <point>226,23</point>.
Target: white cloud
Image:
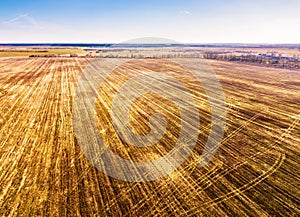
<point>185,12</point>
<point>23,20</point>
<point>15,20</point>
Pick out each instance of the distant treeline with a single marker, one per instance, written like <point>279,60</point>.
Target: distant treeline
<point>138,55</point>
<point>127,55</point>
<point>52,55</point>
<point>24,51</point>
<point>259,59</point>
<point>44,55</point>
<point>254,59</point>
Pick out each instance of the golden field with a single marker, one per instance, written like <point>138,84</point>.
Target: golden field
<point>43,171</point>
<point>5,52</point>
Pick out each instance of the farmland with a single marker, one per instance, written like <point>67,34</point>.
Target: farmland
<point>6,52</point>
<point>43,171</point>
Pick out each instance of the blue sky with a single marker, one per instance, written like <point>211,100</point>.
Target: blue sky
<point>195,21</point>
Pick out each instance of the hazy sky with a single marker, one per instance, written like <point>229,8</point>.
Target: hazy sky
<point>197,21</point>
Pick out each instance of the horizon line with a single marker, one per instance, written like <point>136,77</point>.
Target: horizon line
<point>179,43</point>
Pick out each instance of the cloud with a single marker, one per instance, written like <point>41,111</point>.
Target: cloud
<point>185,12</point>
<point>23,20</point>
<point>14,20</point>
